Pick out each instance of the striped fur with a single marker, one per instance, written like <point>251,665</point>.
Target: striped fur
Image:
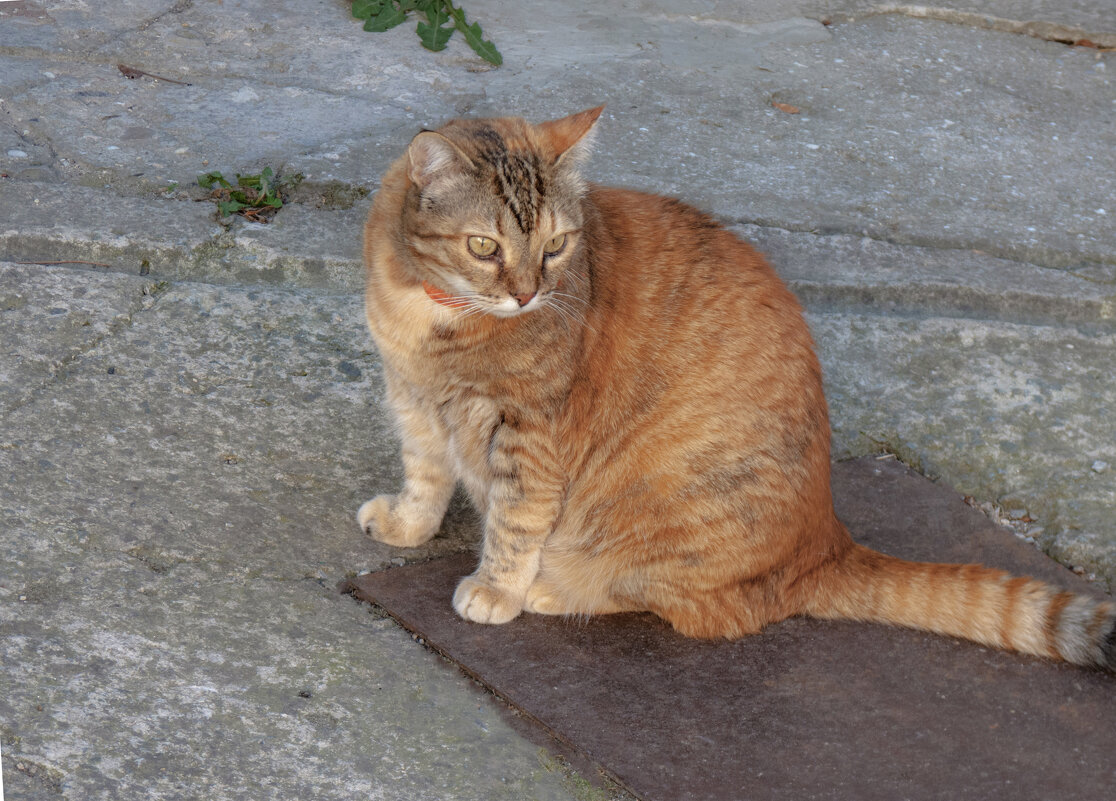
<point>648,430</point>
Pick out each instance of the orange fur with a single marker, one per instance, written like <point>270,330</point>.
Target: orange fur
<point>649,431</point>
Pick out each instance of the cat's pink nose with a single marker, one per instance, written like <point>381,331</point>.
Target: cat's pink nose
<point>523,298</point>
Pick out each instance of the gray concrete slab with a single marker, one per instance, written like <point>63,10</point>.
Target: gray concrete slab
<point>942,203</point>
<point>911,130</point>
<point>177,487</point>
<point>1040,390</point>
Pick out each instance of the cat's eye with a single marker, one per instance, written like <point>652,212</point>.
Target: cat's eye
<point>554,246</point>
<point>482,246</point>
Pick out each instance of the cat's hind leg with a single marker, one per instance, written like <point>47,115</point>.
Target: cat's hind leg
<point>576,587</point>
<point>546,598</point>
<point>577,583</point>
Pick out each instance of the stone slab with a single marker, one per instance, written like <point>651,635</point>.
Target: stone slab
<point>166,238</point>
<point>1018,414</point>
<point>808,709</point>
<point>910,129</point>
<point>849,273</point>
<point>180,465</point>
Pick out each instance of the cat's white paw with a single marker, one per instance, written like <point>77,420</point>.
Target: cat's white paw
<point>383,518</point>
<point>484,603</point>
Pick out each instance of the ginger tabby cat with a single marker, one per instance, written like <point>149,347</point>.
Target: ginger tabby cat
<point>631,398</point>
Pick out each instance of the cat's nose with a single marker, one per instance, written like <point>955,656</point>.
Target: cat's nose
<point>523,298</point>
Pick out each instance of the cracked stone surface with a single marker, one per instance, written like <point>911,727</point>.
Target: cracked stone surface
<point>1040,390</point>
<point>909,130</point>
<point>191,417</point>
<point>176,508</point>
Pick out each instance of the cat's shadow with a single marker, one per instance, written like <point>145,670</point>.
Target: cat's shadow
<point>460,532</point>
<point>462,524</point>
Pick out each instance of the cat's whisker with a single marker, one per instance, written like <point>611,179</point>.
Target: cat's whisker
<point>465,304</point>
<point>568,312</point>
<point>566,320</point>
<point>472,310</point>
<point>461,301</point>
<point>576,298</point>
<point>580,279</point>
<point>558,306</point>
<point>576,311</point>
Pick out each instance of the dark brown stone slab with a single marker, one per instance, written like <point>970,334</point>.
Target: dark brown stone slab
<point>808,709</point>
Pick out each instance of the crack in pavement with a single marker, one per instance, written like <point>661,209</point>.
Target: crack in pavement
<point>37,770</point>
<point>63,367</point>
<point>1039,29</point>
<point>1054,259</point>
<point>177,8</point>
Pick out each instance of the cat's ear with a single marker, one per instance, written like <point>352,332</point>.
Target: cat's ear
<point>433,156</point>
<point>571,137</point>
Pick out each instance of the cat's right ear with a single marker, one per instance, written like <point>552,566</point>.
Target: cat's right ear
<point>433,156</point>
<point>571,137</point>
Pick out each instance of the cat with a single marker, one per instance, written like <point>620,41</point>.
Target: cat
<point>632,400</point>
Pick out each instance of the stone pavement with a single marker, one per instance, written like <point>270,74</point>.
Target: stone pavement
<point>188,429</point>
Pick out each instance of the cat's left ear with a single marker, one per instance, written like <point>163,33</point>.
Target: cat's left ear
<point>571,137</point>
<point>431,156</point>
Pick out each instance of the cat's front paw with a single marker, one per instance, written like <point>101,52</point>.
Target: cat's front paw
<point>385,519</point>
<point>481,602</point>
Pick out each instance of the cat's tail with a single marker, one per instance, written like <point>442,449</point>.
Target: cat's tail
<point>968,601</point>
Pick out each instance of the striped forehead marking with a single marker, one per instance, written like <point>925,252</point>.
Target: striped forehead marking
<point>517,177</point>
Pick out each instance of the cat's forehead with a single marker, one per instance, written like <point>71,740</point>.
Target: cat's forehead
<point>488,139</point>
<point>511,166</point>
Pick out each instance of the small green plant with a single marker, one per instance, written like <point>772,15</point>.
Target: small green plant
<point>442,19</point>
<point>256,197</point>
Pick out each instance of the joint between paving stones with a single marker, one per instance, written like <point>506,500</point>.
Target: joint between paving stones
<point>947,301</point>
<point>60,370</point>
<point>1038,29</point>
<point>50,778</point>
<point>1054,259</point>
<point>893,445</point>
<point>27,137</point>
<point>177,8</point>
<point>215,261</point>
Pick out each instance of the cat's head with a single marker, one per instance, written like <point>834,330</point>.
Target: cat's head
<point>493,215</point>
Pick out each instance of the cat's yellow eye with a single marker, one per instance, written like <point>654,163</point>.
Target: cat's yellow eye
<point>482,246</point>
<point>554,246</point>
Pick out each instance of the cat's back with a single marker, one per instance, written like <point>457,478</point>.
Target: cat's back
<point>699,394</point>
<point>663,243</point>
<point>677,273</point>
<point>688,323</point>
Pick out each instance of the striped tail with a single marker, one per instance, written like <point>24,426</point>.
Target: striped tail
<point>969,601</point>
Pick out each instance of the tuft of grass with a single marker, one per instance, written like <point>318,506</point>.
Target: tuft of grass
<point>256,197</point>
<point>580,787</point>
<point>442,19</point>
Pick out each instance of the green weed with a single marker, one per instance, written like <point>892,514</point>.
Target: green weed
<point>442,19</point>
<point>257,197</point>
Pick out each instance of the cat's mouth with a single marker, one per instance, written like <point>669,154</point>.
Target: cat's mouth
<point>471,303</point>
<point>515,305</point>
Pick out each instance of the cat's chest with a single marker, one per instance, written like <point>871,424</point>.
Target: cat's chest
<point>436,361</point>
<point>470,422</point>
